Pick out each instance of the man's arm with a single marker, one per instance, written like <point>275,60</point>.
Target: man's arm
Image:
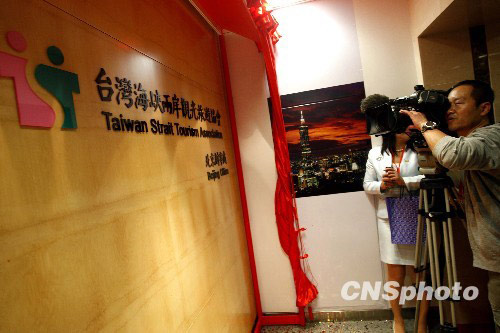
<point>478,151</point>
<point>475,152</point>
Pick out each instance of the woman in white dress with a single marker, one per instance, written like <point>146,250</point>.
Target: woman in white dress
<point>388,169</point>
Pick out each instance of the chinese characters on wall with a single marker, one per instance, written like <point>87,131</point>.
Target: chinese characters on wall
<point>216,159</point>
<point>133,96</point>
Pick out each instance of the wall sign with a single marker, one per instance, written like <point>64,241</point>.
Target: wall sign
<point>134,97</point>
<point>216,159</point>
<point>33,111</point>
<point>130,98</point>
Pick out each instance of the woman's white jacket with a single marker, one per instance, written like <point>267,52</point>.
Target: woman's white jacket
<point>375,166</point>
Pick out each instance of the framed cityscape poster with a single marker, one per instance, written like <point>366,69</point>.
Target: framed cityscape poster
<point>327,139</point>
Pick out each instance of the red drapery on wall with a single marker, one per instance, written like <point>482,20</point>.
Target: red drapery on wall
<point>231,15</point>
<point>286,211</point>
<point>234,16</point>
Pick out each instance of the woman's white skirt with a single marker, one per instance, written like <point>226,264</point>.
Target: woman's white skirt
<point>392,253</point>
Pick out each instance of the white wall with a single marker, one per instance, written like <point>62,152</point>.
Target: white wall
<point>342,243</point>
<point>389,54</point>
<point>250,92</point>
<point>319,49</point>
<point>385,42</point>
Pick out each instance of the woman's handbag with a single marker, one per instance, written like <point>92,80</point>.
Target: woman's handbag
<point>403,218</point>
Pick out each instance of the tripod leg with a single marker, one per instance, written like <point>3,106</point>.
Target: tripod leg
<point>452,242</point>
<point>430,244</point>
<point>433,251</point>
<point>418,242</point>
<point>437,193</point>
<point>449,273</point>
<point>418,254</point>
<point>424,278</point>
<point>429,241</point>
<point>450,258</point>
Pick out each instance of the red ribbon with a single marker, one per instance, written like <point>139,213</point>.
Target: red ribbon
<point>284,199</point>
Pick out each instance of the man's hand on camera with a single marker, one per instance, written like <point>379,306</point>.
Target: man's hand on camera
<point>431,137</point>
<point>417,118</point>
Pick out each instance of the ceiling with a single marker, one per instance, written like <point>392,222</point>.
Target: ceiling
<point>462,14</point>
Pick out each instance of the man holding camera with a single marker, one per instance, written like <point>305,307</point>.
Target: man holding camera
<point>475,152</point>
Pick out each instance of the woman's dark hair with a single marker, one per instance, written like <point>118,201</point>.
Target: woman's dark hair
<point>389,143</point>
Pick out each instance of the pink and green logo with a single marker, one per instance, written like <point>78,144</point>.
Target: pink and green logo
<point>31,109</point>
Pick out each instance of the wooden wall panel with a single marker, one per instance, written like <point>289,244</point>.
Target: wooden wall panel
<point>168,31</point>
<point>103,230</point>
<point>446,59</point>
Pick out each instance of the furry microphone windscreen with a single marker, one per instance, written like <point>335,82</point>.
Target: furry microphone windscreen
<point>373,101</point>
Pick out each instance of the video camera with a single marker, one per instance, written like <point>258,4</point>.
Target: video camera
<point>385,118</point>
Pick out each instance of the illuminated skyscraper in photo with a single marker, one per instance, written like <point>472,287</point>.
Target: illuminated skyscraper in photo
<point>304,139</point>
<point>306,176</point>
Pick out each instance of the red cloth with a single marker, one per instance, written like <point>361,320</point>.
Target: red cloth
<point>231,15</point>
<point>286,212</point>
<point>234,16</point>
<point>284,197</point>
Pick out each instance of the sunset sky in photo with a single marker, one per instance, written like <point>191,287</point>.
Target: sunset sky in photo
<point>334,126</point>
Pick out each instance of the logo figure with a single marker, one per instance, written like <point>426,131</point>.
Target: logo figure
<point>31,110</point>
<point>60,83</point>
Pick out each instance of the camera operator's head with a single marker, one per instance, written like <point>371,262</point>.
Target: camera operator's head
<point>471,104</point>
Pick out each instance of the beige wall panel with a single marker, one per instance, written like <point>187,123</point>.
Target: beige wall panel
<point>103,230</point>
<point>434,22</point>
<point>446,59</point>
<point>424,12</point>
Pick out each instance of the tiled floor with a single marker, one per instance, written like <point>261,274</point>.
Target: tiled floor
<point>372,326</point>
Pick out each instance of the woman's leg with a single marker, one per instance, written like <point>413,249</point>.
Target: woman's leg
<point>424,304</point>
<point>422,316</point>
<point>397,273</point>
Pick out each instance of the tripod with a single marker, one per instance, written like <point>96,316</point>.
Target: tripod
<point>435,213</point>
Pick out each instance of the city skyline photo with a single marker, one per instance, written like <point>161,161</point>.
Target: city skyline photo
<point>327,139</point>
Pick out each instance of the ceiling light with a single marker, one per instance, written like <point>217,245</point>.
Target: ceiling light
<point>276,4</point>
